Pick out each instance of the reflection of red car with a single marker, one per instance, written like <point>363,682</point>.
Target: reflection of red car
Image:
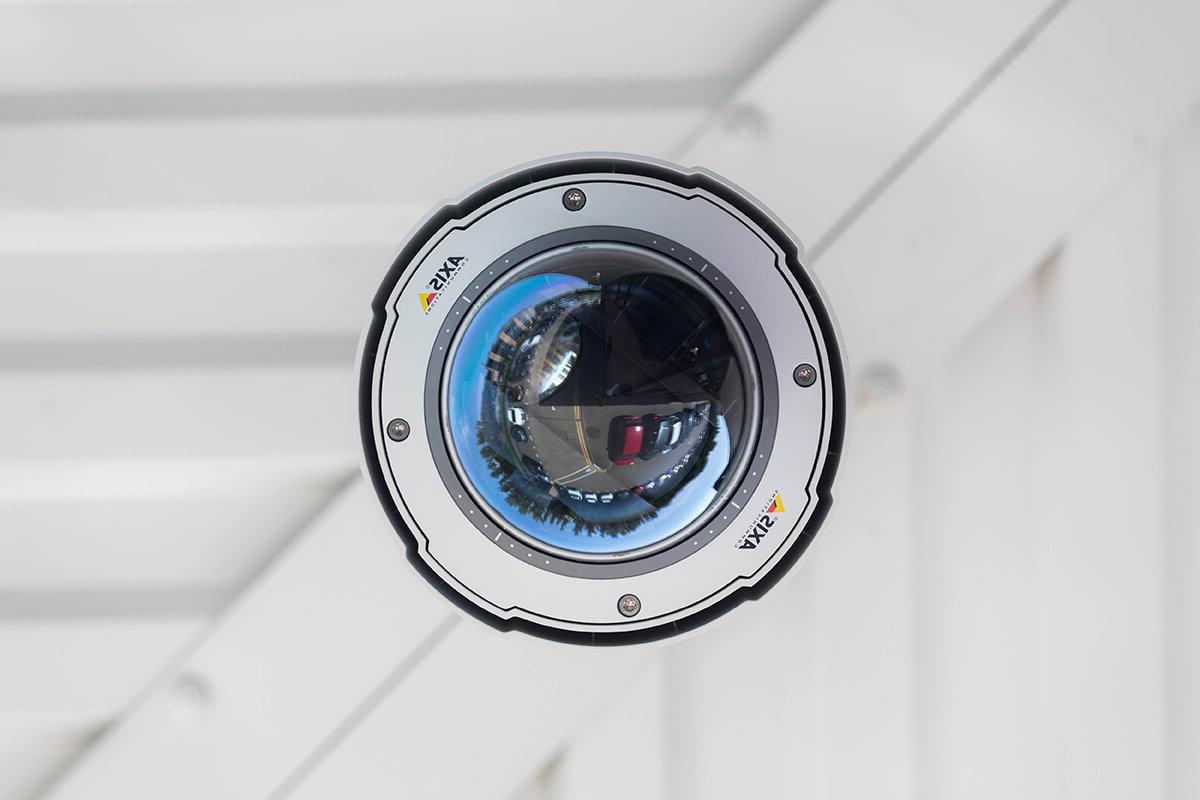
<point>625,440</point>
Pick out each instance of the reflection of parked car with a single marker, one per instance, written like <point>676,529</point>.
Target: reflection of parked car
<point>516,415</point>
<point>625,440</point>
<point>590,497</point>
<point>574,494</point>
<point>519,435</point>
<point>658,435</point>
<point>534,468</point>
<point>676,431</point>
<point>607,497</point>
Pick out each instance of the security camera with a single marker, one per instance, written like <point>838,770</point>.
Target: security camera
<point>601,399</point>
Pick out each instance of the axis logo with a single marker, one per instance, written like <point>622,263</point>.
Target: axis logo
<point>766,520</point>
<point>440,280</point>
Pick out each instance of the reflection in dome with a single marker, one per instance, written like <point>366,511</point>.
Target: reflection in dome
<point>596,402</point>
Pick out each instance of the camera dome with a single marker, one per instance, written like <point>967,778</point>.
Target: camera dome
<point>601,399</point>
<point>597,401</point>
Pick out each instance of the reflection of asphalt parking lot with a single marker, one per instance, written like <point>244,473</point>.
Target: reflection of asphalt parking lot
<point>571,442</point>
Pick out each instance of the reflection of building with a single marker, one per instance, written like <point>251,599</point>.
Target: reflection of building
<point>517,343</point>
<point>560,371</point>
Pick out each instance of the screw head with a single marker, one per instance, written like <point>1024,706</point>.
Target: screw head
<point>805,375</point>
<point>629,605</point>
<point>574,199</point>
<point>398,430</point>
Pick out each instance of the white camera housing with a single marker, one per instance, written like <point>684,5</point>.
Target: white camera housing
<point>602,266</point>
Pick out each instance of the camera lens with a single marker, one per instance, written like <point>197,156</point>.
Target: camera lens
<point>598,401</point>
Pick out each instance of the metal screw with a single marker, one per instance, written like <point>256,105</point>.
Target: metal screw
<point>629,605</point>
<point>398,430</point>
<point>574,199</point>
<point>805,375</point>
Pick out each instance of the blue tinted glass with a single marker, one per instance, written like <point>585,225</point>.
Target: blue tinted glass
<point>596,402</point>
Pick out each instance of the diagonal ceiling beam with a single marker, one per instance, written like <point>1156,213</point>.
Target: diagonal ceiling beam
<point>301,654</point>
<point>940,214</point>
<point>286,664</point>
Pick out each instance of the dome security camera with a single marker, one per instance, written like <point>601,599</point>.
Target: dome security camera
<point>601,399</point>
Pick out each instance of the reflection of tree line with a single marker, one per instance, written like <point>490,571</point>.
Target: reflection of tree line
<point>544,507</point>
<point>552,509</point>
<point>710,441</point>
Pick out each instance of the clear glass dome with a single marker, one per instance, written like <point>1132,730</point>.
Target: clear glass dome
<point>599,401</point>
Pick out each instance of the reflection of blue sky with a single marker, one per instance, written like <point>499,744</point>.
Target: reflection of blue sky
<point>469,371</point>
<point>467,382</point>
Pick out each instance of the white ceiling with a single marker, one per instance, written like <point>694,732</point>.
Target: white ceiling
<point>196,199</point>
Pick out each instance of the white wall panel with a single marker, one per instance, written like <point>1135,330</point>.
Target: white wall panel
<point>283,302</point>
<point>241,416</point>
<point>104,45</point>
<point>132,545</point>
<point>991,195</point>
<point>477,717</point>
<point>623,750</point>
<point>82,671</point>
<point>1179,174</point>
<point>307,159</point>
<point>850,95</point>
<point>281,670</point>
<point>1001,605</point>
<point>1099,476</point>
<point>1040,543</point>
<point>788,695</point>
<point>31,754</point>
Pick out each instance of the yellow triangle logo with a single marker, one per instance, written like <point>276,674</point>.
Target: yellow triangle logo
<point>427,300</point>
<point>776,506</point>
